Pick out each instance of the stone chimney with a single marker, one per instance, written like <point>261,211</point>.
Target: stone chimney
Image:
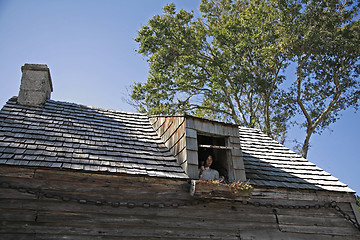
<point>36,85</point>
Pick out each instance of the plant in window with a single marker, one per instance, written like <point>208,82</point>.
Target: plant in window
<point>234,187</point>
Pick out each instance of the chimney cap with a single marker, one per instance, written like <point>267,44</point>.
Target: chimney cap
<point>38,67</point>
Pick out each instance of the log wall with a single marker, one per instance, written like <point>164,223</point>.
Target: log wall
<point>57,204</point>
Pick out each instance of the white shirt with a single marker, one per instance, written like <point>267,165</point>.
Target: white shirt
<point>209,174</point>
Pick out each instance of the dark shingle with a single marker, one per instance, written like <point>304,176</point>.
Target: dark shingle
<point>268,163</point>
<point>67,135</point>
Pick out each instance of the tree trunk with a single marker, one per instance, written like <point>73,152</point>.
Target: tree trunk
<point>305,148</point>
<point>267,116</point>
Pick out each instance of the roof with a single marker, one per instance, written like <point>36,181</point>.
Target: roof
<point>71,136</point>
<point>270,164</point>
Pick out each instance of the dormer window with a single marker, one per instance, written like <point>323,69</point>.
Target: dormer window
<point>214,146</point>
<point>191,140</point>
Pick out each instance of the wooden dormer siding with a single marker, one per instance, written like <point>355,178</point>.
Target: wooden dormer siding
<point>180,135</point>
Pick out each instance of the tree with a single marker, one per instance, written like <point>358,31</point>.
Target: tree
<point>224,65</point>
<point>326,52</point>
<point>228,64</point>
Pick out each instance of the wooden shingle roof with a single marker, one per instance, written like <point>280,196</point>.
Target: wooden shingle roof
<point>71,136</point>
<point>270,164</point>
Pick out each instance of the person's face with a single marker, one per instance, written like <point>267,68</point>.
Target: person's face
<point>209,161</point>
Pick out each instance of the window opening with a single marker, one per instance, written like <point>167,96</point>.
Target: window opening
<point>214,146</point>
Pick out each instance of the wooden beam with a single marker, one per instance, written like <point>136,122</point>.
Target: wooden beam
<point>217,147</point>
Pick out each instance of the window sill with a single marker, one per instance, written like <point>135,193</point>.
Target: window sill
<point>202,190</point>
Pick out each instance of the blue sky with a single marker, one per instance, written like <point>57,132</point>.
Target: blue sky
<point>90,49</point>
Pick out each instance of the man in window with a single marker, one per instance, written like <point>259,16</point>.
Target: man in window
<point>207,173</point>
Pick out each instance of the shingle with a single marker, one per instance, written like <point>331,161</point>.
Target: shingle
<point>66,165</point>
<point>33,163</point>
<point>79,137</point>
<point>268,163</point>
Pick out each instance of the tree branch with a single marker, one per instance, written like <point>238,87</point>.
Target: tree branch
<point>298,99</point>
<point>238,103</point>
<point>195,106</point>
<point>333,101</point>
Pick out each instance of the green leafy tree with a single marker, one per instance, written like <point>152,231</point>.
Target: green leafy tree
<point>228,64</point>
<point>224,65</point>
<point>326,51</point>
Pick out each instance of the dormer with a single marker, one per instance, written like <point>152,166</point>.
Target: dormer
<point>191,139</point>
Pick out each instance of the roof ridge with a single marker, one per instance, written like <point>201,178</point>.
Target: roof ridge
<point>95,108</point>
<point>51,101</point>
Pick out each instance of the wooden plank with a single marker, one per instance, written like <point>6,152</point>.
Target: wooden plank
<point>20,172</point>
<point>311,195</point>
<point>356,211</point>
<point>184,165</point>
<point>164,129</point>
<point>230,167</point>
<point>310,220</point>
<point>259,235</point>
<point>179,146</point>
<point>191,144</point>
<point>181,156</point>
<point>236,151</point>
<point>8,193</point>
<point>191,133</point>
<point>176,135</point>
<point>189,122</point>
<point>121,232</point>
<point>338,231</point>
<point>168,130</point>
<point>207,220</point>
<point>127,190</point>
<point>224,223</point>
<point>97,178</point>
<point>232,131</point>
<point>324,213</point>
<point>160,121</point>
<point>192,171</point>
<point>192,157</point>
<point>234,140</point>
<point>200,126</point>
<point>17,214</point>
<point>180,121</point>
<point>217,147</point>
<point>240,175</point>
<point>237,162</point>
<point>128,196</point>
<point>228,216</point>
<point>210,127</point>
<point>87,186</point>
<point>18,236</point>
<point>202,210</point>
<point>80,237</point>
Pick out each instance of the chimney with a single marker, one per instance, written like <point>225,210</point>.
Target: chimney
<point>36,85</point>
